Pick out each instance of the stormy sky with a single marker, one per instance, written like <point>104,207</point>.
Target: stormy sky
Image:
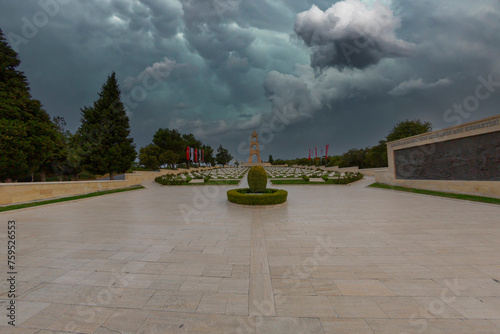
<point>304,73</point>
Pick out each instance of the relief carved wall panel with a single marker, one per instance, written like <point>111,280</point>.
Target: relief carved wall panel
<point>475,158</point>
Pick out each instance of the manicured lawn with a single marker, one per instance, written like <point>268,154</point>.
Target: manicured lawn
<point>330,181</point>
<point>215,183</point>
<point>439,193</point>
<point>65,199</point>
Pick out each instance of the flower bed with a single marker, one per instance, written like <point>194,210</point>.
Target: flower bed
<point>170,179</point>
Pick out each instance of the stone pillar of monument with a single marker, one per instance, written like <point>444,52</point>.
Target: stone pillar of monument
<point>254,142</point>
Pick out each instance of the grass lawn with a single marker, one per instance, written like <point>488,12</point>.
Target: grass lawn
<point>439,193</point>
<point>215,183</point>
<point>209,183</point>
<point>65,199</point>
<point>281,181</point>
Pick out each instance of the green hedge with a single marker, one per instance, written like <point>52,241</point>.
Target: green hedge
<point>269,197</point>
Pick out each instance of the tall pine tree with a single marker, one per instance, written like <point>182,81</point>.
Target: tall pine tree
<point>105,133</point>
<point>27,135</point>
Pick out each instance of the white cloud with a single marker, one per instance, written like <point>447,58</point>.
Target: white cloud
<point>350,34</point>
<point>409,86</point>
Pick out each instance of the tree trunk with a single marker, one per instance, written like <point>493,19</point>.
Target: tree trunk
<point>111,176</point>
<point>42,175</point>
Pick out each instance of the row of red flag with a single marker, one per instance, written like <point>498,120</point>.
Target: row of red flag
<point>316,152</point>
<point>195,154</point>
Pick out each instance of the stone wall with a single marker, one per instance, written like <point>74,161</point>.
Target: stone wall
<point>460,159</point>
<point>15,193</point>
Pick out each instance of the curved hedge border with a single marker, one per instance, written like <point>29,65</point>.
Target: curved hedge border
<point>243,196</point>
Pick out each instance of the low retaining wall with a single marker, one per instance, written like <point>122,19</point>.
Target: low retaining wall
<point>15,193</point>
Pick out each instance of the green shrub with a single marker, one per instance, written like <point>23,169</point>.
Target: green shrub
<point>207,178</point>
<point>247,197</point>
<point>257,179</point>
<point>188,179</point>
<point>85,175</point>
<point>325,177</point>
<point>305,177</point>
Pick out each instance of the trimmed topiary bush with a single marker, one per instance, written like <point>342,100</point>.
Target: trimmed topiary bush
<point>246,197</point>
<point>257,179</point>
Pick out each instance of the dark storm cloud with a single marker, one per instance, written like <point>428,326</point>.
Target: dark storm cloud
<point>221,68</point>
<point>350,34</point>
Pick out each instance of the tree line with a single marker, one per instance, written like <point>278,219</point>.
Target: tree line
<point>169,148</point>
<point>369,157</point>
<point>32,145</point>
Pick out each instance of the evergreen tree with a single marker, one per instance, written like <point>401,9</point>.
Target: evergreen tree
<point>223,157</point>
<point>58,158</point>
<point>408,128</point>
<point>68,158</point>
<point>105,133</point>
<point>152,157</point>
<point>170,140</point>
<point>27,135</point>
<point>208,154</point>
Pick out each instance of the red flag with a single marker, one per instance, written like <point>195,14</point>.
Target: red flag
<point>316,150</point>
<point>187,153</point>
<point>195,155</point>
<point>326,153</point>
<point>309,155</point>
<point>203,155</point>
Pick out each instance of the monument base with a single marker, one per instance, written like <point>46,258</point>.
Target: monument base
<point>250,164</point>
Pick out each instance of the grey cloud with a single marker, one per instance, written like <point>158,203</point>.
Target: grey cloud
<point>158,72</point>
<point>350,34</point>
<point>291,95</point>
<point>230,65</point>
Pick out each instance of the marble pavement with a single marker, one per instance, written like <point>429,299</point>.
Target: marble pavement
<point>335,259</point>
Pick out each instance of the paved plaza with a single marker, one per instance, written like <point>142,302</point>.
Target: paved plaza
<point>182,259</point>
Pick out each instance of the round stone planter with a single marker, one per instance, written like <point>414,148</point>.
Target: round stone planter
<point>245,197</point>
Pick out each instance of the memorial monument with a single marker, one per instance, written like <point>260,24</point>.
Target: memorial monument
<point>254,150</point>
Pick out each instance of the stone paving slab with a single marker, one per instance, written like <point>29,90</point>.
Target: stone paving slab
<point>182,260</point>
